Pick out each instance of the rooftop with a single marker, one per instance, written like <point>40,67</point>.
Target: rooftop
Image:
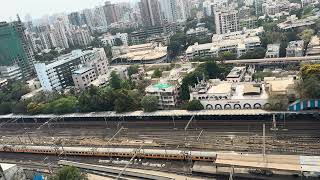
<point>222,88</point>
<point>162,85</point>
<point>83,70</point>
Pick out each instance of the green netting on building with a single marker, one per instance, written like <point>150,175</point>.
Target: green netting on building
<point>162,86</point>
<point>10,45</point>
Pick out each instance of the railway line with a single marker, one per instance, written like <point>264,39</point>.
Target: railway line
<point>294,136</point>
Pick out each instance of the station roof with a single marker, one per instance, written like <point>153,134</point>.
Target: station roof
<point>166,113</point>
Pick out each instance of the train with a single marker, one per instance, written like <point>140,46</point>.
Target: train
<point>147,153</point>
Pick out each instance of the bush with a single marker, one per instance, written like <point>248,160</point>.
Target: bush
<point>194,105</point>
<point>149,103</point>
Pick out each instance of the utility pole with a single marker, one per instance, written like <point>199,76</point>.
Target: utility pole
<point>126,166</point>
<point>115,135</point>
<point>264,142</point>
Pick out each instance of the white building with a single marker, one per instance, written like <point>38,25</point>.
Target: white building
<point>3,82</point>
<point>225,95</point>
<point>57,75</point>
<point>167,95</point>
<point>226,20</point>
<point>83,77</point>
<point>81,37</point>
<point>200,32</point>
<point>11,72</point>
<point>140,54</point>
<point>293,22</point>
<point>237,42</point>
<point>236,74</point>
<point>111,39</point>
<point>295,49</point>
<point>273,51</point>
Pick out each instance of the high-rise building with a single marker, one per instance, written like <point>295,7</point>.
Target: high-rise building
<point>75,19</point>
<point>226,21</point>
<point>60,34</point>
<point>81,37</point>
<point>58,74</point>
<point>14,47</point>
<point>258,6</point>
<point>150,12</point>
<point>111,12</point>
<point>88,17</point>
<point>169,10</point>
<point>183,9</point>
<point>99,17</point>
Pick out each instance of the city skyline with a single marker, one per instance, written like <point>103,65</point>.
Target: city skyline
<point>39,8</point>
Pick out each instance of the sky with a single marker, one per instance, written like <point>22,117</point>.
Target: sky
<point>39,8</point>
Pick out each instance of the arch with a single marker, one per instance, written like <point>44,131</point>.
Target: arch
<point>237,106</point>
<point>277,106</point>
<point>267,106</point>
<point>218,106</point>
<point>257,106</point>
<point>227,106</point>
<point>209,106</point>
<point>247,106</point>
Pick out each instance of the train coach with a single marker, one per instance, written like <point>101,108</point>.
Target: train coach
<point>113,152</point>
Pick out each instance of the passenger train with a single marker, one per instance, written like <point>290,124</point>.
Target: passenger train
<point>113,152</point>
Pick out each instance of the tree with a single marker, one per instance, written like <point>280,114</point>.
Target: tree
<point>133,69</point>
<point>309,88</point>
<point>115,81</point>
<point>227,56</point>
<point>118,42</point>
<point>157,73</point>
<point>20,107</point>
<point>96,43</point>
<point>5,108</point>
<point>108,51</point>
<point>63,105</point>
<point>194,105</point>
<point>310,70</point>
<point>149,103</point>
<point>177,44</point>
<point>69,173</point>
<point>278,102</point>
<point>257,53</point>
<point>306,35</point>
<point>124,102</point>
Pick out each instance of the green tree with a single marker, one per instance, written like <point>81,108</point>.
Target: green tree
<point>69,173</point>
<point>227,56</point>
<point>278,102</point>
<point>306,35</point>
<point>257,53</point>
<point>96,43</point>
<point>309,88</point>
<point>310,70</point>
<point>194,105</point>
<point>108,51</point>
<point>20,107</point>
<point>157,73</point>
<point>149,103</point>
<point>63,105</point>
<point>124,102</point>
<point>133,69</point>
<point>178,43</point>
<point>5,107</point>
<point>115,81</point>
<point>118,42</point>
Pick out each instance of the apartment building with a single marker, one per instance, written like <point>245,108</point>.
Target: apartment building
<point>226,20</point>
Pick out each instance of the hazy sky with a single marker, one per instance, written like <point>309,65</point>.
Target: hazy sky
<point>38,8</point>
